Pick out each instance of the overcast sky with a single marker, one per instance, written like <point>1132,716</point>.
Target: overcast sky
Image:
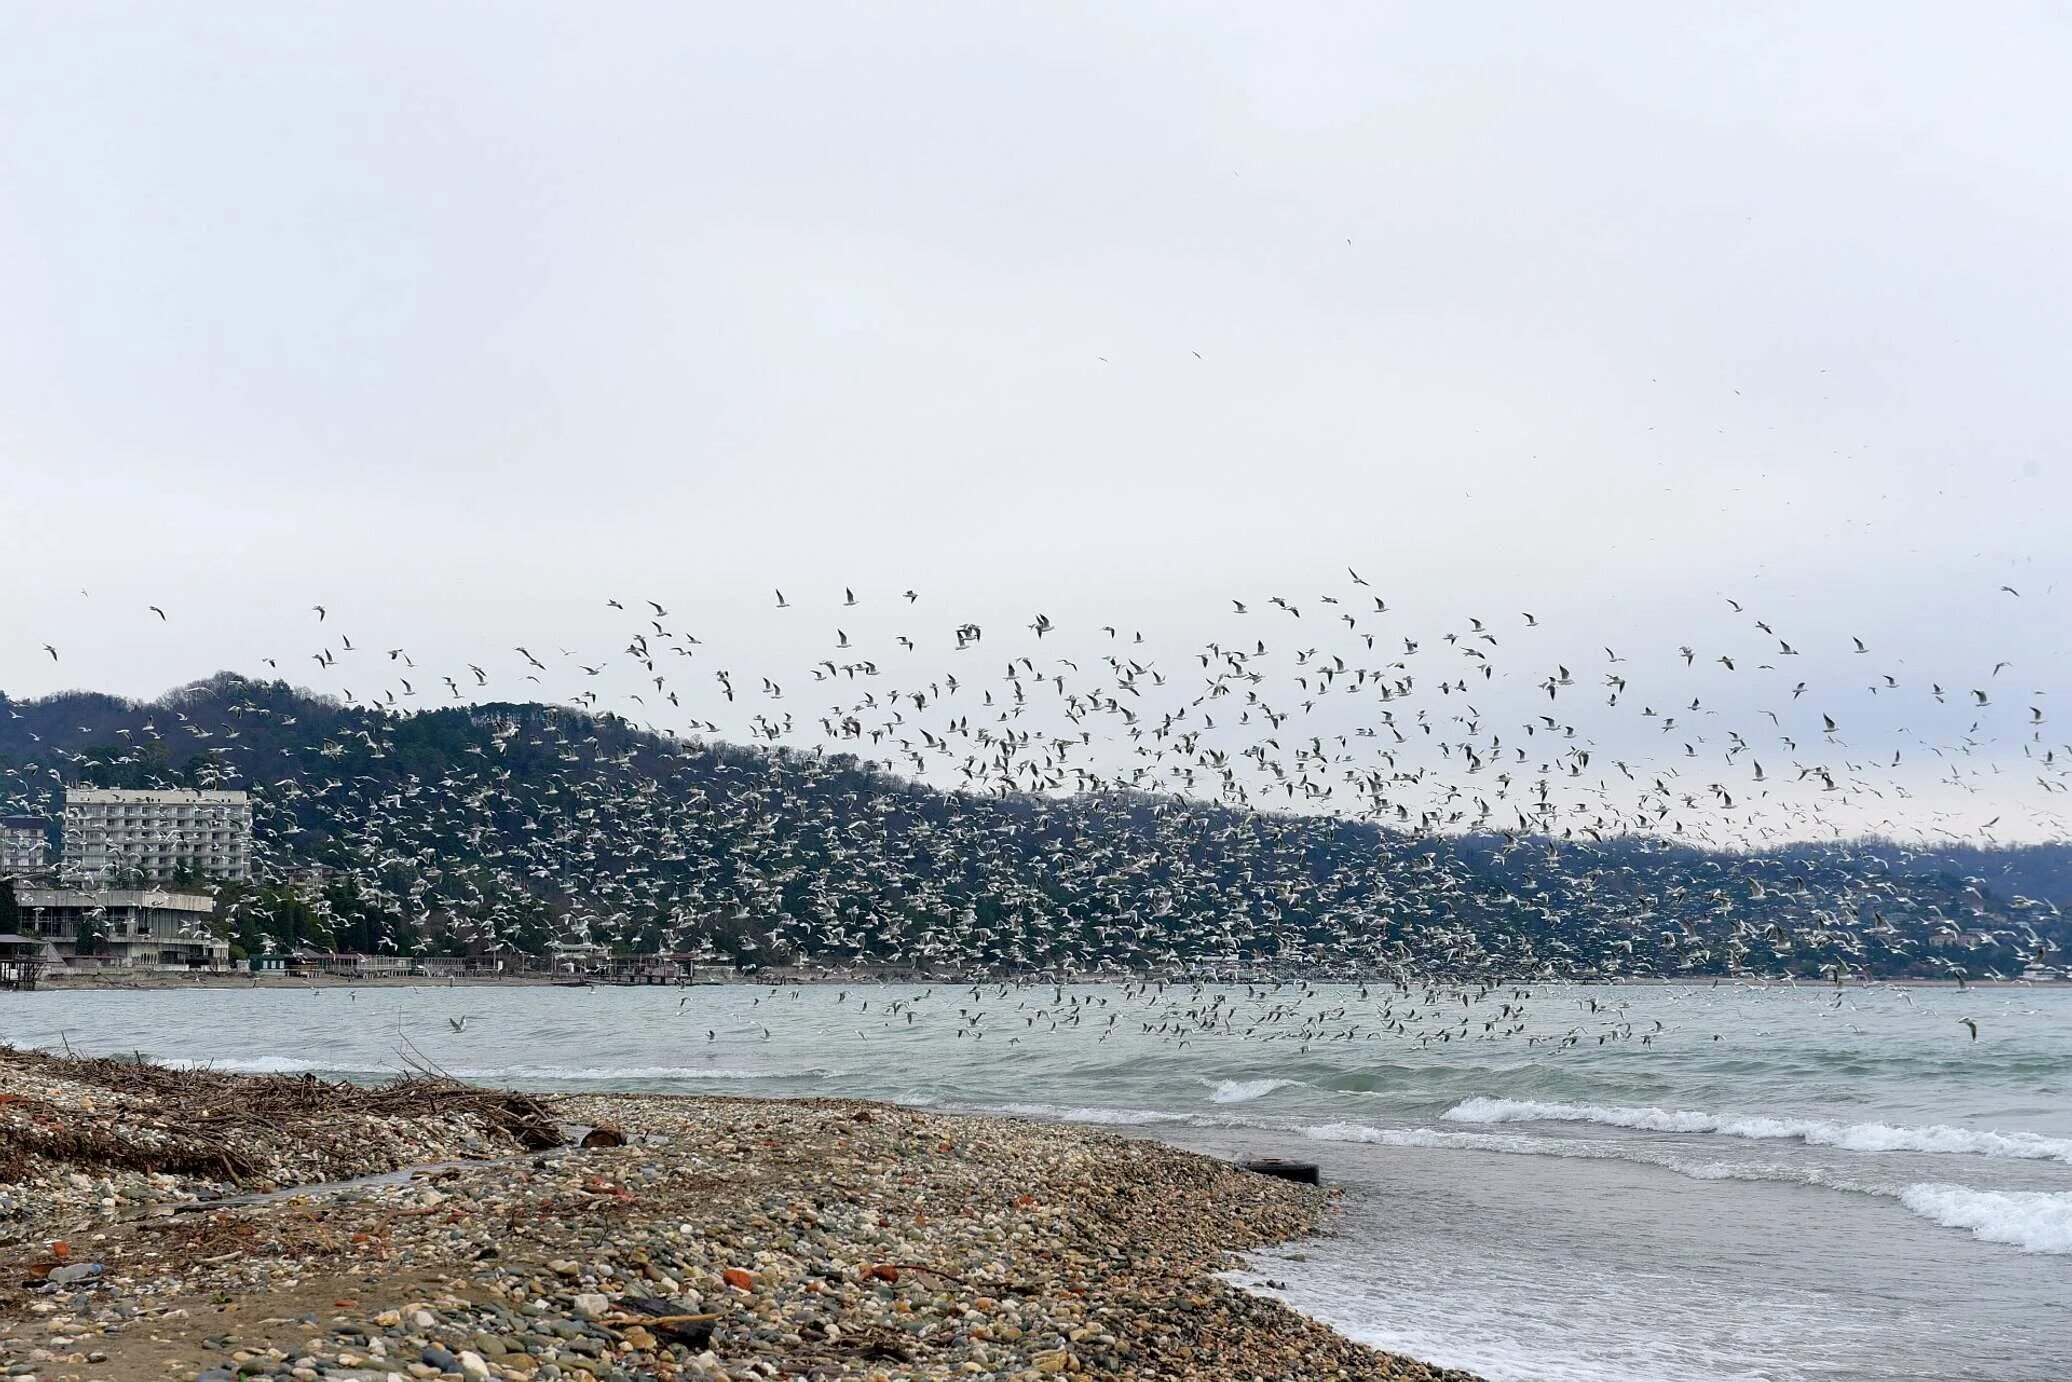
<point>461,319</point>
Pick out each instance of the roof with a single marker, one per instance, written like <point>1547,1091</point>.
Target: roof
<point>87,898</point>
<point>24,823</point>
<point>104,796</point>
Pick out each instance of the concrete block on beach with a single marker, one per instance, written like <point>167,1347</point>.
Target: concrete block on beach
<point>1301,1172</point>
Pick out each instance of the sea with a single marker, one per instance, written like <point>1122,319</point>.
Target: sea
<point>1632,1183</point>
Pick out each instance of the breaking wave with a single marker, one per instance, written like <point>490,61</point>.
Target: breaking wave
<point>2032,1220</point>
<point>1851,1137</point>
<point>254,1065</point>
<point>564,1074</point>
<point>587,1074</point>
<point>1244,1091</point>
<point>1063,1113</point>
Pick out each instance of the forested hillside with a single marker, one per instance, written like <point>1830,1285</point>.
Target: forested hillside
<point>507,826</point>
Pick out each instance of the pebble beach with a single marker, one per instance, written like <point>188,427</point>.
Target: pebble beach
<point>162,1223</point>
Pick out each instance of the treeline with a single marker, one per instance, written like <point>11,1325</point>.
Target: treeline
<point>511,826</point>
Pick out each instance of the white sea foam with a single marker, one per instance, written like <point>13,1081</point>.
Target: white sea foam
<point>1120,1117</point>
<point>1525,1144</point>
<point>1452,1141</point>
<point>571,1074</point>
<point>1244,1091</point>
<point>1853,1137</point>
<point>606,1074</point>
<point>254,1065</point>
<point>2032,1220</point>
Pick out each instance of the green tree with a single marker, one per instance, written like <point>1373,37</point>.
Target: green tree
<point>91,932</point>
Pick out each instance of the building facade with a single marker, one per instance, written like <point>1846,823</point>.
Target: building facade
<point>154,837</point>
<point>120,928</point>
<point>24,846</point>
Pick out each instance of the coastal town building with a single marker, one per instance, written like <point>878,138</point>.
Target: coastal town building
<point>121,928</point>
<point>156,837</point>
<point>24,846</point>
<point>577,957</point>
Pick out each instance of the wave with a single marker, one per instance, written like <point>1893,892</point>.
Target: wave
<point>1062,1113</point>
<point>253,1065</point>
<point>1586,1149</point>
<point>1524,1144</point>
<point>2032,1220</point>
<point>595,1074</point>
<point>1244,1091</point>
<point>1454,1141</point>
<point>1851,1137</point>
<point>585,1074</point>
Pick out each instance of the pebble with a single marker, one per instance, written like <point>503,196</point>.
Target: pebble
<point>825,1239</point>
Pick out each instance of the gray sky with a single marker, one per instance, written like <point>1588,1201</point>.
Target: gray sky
<point>460,319</point>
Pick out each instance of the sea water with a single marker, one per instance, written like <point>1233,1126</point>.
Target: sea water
<point>1661,1183</point>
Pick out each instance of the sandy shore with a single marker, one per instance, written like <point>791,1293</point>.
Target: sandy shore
<point>726,1238</point>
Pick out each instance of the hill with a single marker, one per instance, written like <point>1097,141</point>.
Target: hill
<point>510,825</point>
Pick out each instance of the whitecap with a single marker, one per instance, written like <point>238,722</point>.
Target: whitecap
<point>2032,1220</point>
<point>605,1074</point>
<point>1852,1137</point>
<point>1244,1091</point>
<point>251,1065</point>
<point>1063,1113</point>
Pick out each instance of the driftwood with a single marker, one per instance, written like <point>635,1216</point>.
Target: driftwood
<point>195,1122</point>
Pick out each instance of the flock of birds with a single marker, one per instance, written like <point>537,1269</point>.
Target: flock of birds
<point>1299,1016</point>
<point>1318,785</point>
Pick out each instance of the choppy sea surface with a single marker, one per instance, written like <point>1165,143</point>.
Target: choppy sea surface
<point>1658,1183</point>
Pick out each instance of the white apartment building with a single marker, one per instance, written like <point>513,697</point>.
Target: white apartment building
<point>24,846</point>
<point>110,833</point>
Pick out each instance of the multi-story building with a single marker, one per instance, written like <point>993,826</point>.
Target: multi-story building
<point>24,846</point>
<point>123,928</point>
<point>154,837</point>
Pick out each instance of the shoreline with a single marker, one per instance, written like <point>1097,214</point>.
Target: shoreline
<point>155,982</point>
<point>726,1237</point>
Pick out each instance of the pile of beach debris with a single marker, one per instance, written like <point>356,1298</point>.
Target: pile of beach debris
<point>76,1134</point>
